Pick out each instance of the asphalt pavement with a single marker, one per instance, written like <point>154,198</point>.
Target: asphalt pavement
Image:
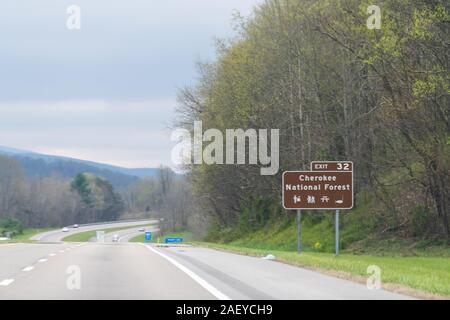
<point>142,271</point>
<point>59,235</point>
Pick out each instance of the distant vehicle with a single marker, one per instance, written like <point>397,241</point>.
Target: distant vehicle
<point>142,229</point>
<point>65,229</point>
<point>75,226</point>
<point>115,238</point>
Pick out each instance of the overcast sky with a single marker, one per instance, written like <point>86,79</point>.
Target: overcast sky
<point>106,92</point>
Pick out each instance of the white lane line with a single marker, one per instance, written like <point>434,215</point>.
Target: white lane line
<point>124,237</point>
<point>6,282</point>
<point>206,285</point>
<point>61,251</point>
<point>42,260</point>
<point>28,269</point>
<point>52,254</point>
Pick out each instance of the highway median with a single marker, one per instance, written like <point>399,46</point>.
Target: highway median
<point>88,235</point>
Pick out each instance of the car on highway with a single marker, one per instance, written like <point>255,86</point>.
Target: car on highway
<point>115,238</point>
<point>65,229</point>
<point>75,226</point>
<point>141,229</point>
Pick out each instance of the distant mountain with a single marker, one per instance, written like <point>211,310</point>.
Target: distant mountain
<point>42,165</point>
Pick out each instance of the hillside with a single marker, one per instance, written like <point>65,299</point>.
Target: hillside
<point>41,165</point>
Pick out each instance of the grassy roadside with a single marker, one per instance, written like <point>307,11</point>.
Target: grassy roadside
<point>429,276</point>
<point>421,276</point>
<point>26,235</point>
<point>187,236</point>
<point>87,235</point>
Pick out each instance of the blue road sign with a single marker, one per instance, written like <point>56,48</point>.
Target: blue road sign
<point>174,240</point>
<point>148,236</point>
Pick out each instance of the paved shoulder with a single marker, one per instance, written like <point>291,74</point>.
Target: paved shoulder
<point>243,277</point>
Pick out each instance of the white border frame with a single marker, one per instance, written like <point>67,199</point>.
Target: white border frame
<point>348,208</point>
<point>312,163</point>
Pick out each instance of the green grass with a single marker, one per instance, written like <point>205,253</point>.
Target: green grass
<point>187,236</point>
<point>26,235</point>
<point>427,274</point>
<point>87,235</point>
<point>323,235</point>
<point>319,237</point>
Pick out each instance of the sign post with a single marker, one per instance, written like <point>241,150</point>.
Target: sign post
<point>299,231</point>
<point>148,236</point>
<point>337,234</point>
<point>328,186</point>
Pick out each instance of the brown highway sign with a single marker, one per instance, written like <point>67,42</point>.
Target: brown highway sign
<point>320,190</point>
<point>332,166</point>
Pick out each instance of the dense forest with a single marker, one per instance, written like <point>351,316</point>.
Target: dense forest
<point>337,90</point>
<point>49,199</point>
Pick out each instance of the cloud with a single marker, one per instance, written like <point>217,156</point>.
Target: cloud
<point>107,92</point>
<point>123,133</point>
<point>137,50</point>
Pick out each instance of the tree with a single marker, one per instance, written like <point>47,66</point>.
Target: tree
<point>11,186</point>
<point>98,200</point>
<point>337,91</point>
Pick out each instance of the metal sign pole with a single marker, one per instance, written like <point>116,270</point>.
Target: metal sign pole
<point>299,231</point>
<point>337,233</point>
<point>303,190</point>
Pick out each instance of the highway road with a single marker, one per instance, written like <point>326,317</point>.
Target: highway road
<point>139,271</point>
<point>58,235</point>
<point>127,234</point>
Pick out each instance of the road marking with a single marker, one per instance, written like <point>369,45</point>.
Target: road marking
<point>52,254</point>
<point>28,269</point>
<point>42,260</point>
<point>206,285</point>
<point>61,251</point>
<point>124,237</point>
<point>6,282</point>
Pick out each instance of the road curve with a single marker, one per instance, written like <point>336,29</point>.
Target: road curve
<point>58,235</point>
<point>126,235</point>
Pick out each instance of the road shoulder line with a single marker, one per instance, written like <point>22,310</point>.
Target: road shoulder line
<point>206,285</point>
